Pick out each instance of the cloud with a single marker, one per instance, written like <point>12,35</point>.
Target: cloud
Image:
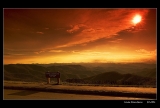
<point>61,28</point>
<point>72,31</point>
<point>56,51</point>
<point>38,32</point>
<point>75,28</point>
<point>76,52</point>
<point>7,54</point>
<point>89,30</point>
<point>135,29</point>
<point>143,51</point>
<point>38,52</point>
<point>147,56</point>
<point>90,52</point>
<point>14,55</point>
<point>103,24</point>
<point>116,41</point>
<point>14,52</point>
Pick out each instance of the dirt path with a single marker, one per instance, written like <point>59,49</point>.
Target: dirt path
<point>37,95</point>
<point>139,92</point>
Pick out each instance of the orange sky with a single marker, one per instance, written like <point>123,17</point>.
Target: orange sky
<point>64,35</point>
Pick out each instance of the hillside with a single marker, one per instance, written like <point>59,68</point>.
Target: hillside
<point>33,72</point>
<point>147,73</point>
<point>122,79</point>
<point>23,72</point>
<point>84,73</point>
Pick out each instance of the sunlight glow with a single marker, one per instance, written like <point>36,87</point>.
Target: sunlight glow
<point>137,19</point>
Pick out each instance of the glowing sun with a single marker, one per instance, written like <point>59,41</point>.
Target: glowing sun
<point>136,19</point>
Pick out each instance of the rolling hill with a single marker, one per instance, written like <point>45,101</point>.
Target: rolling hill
<point>84,73</point>
<point>147,73</point>
<point>114,77</point>
<point>33,72</point>
<point>23,72</point>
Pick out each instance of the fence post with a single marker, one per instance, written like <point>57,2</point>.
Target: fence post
<point>58,80</point>
<point>48,82</point>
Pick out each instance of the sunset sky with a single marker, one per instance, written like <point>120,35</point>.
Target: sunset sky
<point>66,35</point>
